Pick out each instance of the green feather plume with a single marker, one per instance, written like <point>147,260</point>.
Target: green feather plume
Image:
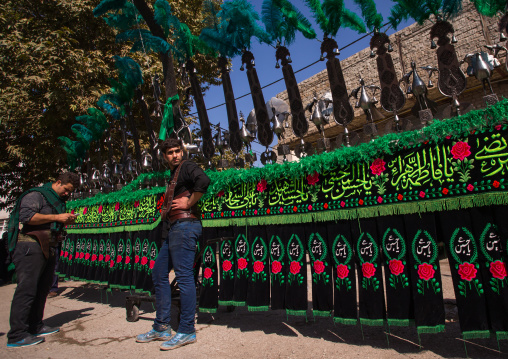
<point>112,111</point>
<point>129,70</point>
<point>107,5</point>
<point>125,18</point>
<point>333,10</point>
<point>75,151</point>
<point>490,7</point>
<point>451,8</point>
<point>295,18</point>
<point>83,134</point>
<point>373,19</point>
<point>282,20</point>
<point>319,14</point>
<point>353,21</point>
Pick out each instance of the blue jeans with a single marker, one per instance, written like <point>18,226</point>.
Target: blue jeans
<point>177,252</point>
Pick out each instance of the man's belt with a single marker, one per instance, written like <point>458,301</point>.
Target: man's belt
<point>174,215</point>
<point>43,237</point>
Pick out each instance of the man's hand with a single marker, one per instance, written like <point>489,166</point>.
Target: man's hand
<point>66,218</point>
<point>181,203</point>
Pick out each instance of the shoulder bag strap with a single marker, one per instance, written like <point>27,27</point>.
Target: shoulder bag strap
<point>170,192</point>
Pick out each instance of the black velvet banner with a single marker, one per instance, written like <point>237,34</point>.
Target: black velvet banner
<point>399,306</point>
<point>342,251</point>
<point>321,269</point>
<point>146,251</point>
<point>296,284</point>
<point>242,255</point>
<point>209,293</point>
<point>128,269</point>
<point>258,293</point>
<point>370,279</point>
<point>278,266</point>
<point>227,266</point>
<point>493,265</point>
<point>425,273</point>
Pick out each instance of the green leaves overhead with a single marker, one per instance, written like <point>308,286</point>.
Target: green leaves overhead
<point>373,19</point>
<point>108,5</point>
<point>331,15</point>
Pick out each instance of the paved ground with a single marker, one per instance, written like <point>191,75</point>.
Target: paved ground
<point>93,328</point>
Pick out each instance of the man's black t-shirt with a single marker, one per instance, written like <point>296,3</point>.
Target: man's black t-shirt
<point>192,178</point>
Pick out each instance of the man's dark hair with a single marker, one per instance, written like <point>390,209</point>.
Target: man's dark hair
<point>69,177</point>
<point>171,143</point>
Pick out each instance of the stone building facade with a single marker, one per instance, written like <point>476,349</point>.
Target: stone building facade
<point>411,43</point>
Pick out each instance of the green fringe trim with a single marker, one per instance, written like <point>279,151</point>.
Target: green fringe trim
<point>208,310</point>
<point>263,308</point>
<point>372,322</point>
<point>400,322</point>
<point>501,335</point>
<point>430,330</point>
<point>141,291</point>
<point>300,313</point>
<point>322,313</point>
<point>118,286</point>
<point>123,228</point>
<point>238,304</point>
<point>476,334</point>
<point>345,321</point>
<point>435,205</point>
<point>226,302</point>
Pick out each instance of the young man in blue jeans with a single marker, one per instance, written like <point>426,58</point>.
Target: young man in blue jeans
<point>178,250</point>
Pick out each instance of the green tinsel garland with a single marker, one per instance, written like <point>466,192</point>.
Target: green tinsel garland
<point>456,127</point>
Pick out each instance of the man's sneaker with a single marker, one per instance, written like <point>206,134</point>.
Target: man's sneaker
<point>154,335</point>
<point>179,340</point>
<point>52,294</point>
<point>30,340</point>
<point>45,330</point>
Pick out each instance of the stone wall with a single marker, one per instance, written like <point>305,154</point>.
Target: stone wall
<point>411,43</point>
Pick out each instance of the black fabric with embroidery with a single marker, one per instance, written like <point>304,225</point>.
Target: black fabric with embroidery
<point>258,294</point>
<point>370,279</point>
<point>128,261</point>
<point>209,293</point>
<point>425,272</point>
<point>144,245</point>
<point>493,264</point>
<point>399,306</point>
<point>296,284</point>
<point>321,269</point>
<point>242,255</point>
<point>344,273</point>
<point>227,265</point>
<point>277,246</point>
<point>116,266</point>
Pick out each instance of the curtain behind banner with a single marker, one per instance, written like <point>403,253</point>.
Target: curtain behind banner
<point>370,278</point>
<point>258,292</point>
<point>227,266</point>
<point>321,269</point>
<point>493,265</point>
<point>342,252</point>
<point>242,251</point>
<point>278,266</point>
<point>296,284</point>
<point>425,273</point>
<point>399,306</point>
<point>208,295</point>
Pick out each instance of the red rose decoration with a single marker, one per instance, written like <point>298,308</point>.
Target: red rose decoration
<point>127,259</point>
<point>136,205</point>
<point>242,263</point>
<point>101,257</point>
<point>62,253</point>
<point>94,257</point>
<point>220,194</point>
<point>426,271</point>
<point>445,191</point>
<point>144,261</point>
<point>136,259</point>
<point>467,271</point>
<point>108,257</point>
<point>82,255</point>
<point>295,267</point>
<point>325,206</point>
<point>496,184</point>
<point>309,207</point>
<point>70,256</point>
<point>461,150</point>
<point>360,202</point>
<point>226,266</point>
<point>498,127</point>
<point>66,254</point>
<point>313,179</point>
<point>295,209</point>
<point>118,258</point>
<point>400,197</point>
<point>319,267</point>
<point>111,264</point>
<point>87,256</point>
<point>378,166</point>
<point>276,267</point>
<point>152,263</point>
<point>396,266</point>
<point>368,269</point>
<point>255,211</point>
<point>261,185</point>
<point>342,203</point>
<point>258,266</point>
<point>207,273</point>
<point>421,194</point>
<point>85,210</point>
<point>117,206</point>
<point>100,208</point>
<point>342,271</point>
<point>470,187</point>
<point>498,270</point>
<point>281,210</point>
<point>379,199</point>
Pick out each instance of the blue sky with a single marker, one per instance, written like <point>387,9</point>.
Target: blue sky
<point>303,52</point>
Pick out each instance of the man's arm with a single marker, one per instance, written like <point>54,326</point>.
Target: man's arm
<point>200,180</point>
<point>64,218</point>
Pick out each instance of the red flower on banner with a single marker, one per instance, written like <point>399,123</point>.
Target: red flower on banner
<point>87,256</point>
<point>281,210</point>
<point>498,127</point>
<point>309,207</point>
<point>94,257</point>
<point>136,204</point>
<point>461,150</point>
<point>226,265</point>
<point>207,273</point>
<point>101,257</point>
<point>70,256</point>
<point>62,253</point>
<point>426,271</point>
<point>118,258</point>
<point>295,267</point>
<point>255,211</point>
<point>319,267</point>
<point>152,263</point>
<point>82,255</point>
<point>379,199</point>
<point>127,259</point>
<point>396,266</point>
<point>360,202</point>
<point>498,270</point>
<point>111,264</point>
<point>108,257</point>
<point>368,269</point>
<point>144,261</point>
<point>313,179</point>
<point>242,263</point>
<point>276,267</point>
<point>467,271</point>
<point>66,254</point>
<point>496,184</point>
<point>117,206</point>
<point>445,191</point>
<point>295,209</point>
<point>85,210</point>
<point>258,266</point>
<point>220,194</point>
<point>470,187</point>
<point>325,206</point>
<point>261,185</point>
<point>136,259</point>
<point>342,203</point>
<point>400,197</point>
<point>100,209</point>
<point>342,271</point>
<point>233,213</point>
<point>378,166</point>
<point>421,194</point>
